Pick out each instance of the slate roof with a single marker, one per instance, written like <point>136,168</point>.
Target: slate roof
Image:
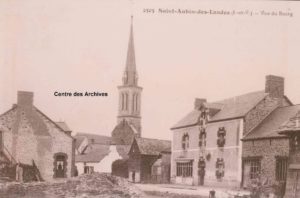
<point>149,146</point>
<point>229,108</point>
<point>98,151</point>
<point>94,138</point>
<point>292,125</point>
<point>79,140</point>
<point>96,154</point>
<point>269,127</point>
<point>64,126</point>
<point>35,117</point>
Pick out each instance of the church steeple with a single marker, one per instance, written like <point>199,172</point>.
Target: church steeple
<point>130,92</point>
<point>130,73</point>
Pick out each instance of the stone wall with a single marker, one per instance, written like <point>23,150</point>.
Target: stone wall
<point>267,149</point>
<point>260,112</point>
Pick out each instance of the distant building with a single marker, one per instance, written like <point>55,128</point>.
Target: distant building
<point>115,154</point>
<point>96,153</point>
<point>143,154</point>
<point>207,147</point>
<point>28,136</point>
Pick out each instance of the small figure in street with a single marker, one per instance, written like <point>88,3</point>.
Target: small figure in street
<point>212,194</point>
<point>76,171</point>
<point>19,172</point>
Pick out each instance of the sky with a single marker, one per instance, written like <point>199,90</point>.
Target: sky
<point>81,45</point>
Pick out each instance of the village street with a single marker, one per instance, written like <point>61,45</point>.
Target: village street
<point>187,191</point>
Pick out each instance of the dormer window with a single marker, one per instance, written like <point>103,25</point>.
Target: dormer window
<point>221,137</point>
<point>202,137</point>
<point>185,141</point>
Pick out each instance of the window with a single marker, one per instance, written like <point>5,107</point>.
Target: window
<point>126,101</point>
<point>295,143</point>
<point>221,137</point>
<point>185,141</point>
<point>133,102</point>
<point>281,168</point>
<point>122,100</point>
<point>88,169</point>
<point>136,102</point>
<point>254,167</point>
<point>220,166</point>
<point>201,166</point>
<point>184,169</point>
<point>202,137</point>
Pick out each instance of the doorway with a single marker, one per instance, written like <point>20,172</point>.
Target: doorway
<point>201,171</point>
<point>60,165</point>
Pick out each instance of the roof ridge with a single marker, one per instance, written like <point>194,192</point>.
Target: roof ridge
<point>252,92</point>
<point>152,139</point>
<point>289,106</point>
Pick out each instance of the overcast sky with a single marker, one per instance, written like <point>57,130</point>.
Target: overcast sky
<point>81,45</point>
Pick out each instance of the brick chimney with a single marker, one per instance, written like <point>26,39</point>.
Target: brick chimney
<point>198,103</point>
<point>275,86</point>
<point>25,98</point>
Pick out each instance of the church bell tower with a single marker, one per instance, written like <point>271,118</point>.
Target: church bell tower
<point>129,91</point>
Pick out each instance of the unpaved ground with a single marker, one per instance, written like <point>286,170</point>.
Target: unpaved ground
<point>153,194</point>
<point>97,185</point>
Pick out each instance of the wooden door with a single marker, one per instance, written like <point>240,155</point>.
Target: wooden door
<point>1,140</point>
<point>293,184</point>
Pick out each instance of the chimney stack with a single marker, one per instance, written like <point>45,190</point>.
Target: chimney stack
<point>275,86</point>
<point>25,98</point>
<point>198,103</point>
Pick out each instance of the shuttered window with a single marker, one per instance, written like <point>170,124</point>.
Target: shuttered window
<point>281,168</point>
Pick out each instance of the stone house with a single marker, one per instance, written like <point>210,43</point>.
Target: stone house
<point>207,147</point>
<point>28,136</point>
<point>265,152</point>
<point>291,129</point>
<point>143,154</point>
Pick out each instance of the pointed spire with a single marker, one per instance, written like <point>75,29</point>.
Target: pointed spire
<point>130,74</point>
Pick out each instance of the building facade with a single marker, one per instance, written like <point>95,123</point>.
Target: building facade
<point>207,147</point>
<point>30,137</point>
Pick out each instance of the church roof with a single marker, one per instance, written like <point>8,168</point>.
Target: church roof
<point>229,108</point>
<point>148,146</point>
<point>123,133</point>
<point>279,120</point>
<point>130,69</point>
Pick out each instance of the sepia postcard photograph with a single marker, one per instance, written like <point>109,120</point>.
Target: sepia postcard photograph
<point>149,99</point>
